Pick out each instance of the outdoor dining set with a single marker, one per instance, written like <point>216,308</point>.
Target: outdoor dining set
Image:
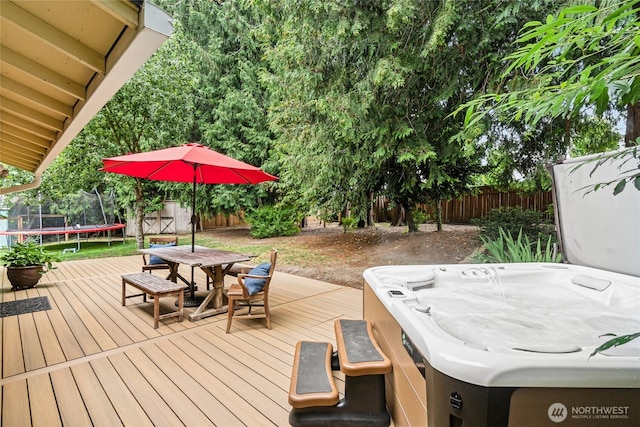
<point>252,285</point>
<point>196,164</point>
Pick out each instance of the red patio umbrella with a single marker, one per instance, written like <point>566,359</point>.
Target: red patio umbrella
<point>191,162</point>
<point>187,163</point>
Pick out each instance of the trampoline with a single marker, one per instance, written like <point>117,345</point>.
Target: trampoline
<point>82,214</point>
<point>89,229</point>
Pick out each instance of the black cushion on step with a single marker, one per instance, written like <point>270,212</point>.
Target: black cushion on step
<point>359,347</point>
<point>312,376</point>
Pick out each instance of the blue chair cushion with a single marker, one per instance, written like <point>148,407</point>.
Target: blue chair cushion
<point>153,259</point>
<point>255,285</point>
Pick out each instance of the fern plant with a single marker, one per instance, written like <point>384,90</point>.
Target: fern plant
<point>506,249</point>
<point>348,223</point>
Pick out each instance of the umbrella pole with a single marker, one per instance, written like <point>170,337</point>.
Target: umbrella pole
<point>193,230</point>
<point>193,211</point>
<point>192,301</point>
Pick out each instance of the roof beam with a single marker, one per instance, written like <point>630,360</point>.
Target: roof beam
<point>27,136</point>
<point>20,147</point>
<point>17,160</point>
<point>53,37</point>
<point>27,126</point>
<point>122,11</point>
<point>138,28</point>
<point>30,114</point>
<point>25,92</point>
<point>23,64</point>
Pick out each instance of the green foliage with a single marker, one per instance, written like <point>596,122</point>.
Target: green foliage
<point>15,177</point>
<point>579,60</point>
<point>581,56</point>
<point>514,221</point>
<point>28,253</point>
<point>615,342</point>
<point>506,249</point>
<point>348,223</point>
<point>629,170</point>
<point>594,135</point>
<point>272,221</point>
<point>420,216</point>
<point>230,110</point>
<point>362,94</point>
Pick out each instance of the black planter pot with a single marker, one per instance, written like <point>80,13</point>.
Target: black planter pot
<point>24,277</point>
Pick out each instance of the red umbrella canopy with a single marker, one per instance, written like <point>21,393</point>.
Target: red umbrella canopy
<point>179,164</point>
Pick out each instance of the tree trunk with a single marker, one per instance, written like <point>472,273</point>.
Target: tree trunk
<point>439,215</point>
<point>371,221</point>
<point>633,125</point>
<point>411,223</point>
<point>399,218</point>
<point>139,209</point>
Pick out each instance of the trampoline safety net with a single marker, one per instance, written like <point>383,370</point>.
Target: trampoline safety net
<point>83,210</point>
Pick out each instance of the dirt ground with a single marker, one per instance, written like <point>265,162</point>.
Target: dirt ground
<point>326,253</point>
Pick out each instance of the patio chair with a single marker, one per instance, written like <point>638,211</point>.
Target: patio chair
<point>153,263</point>
<point>252,287</point>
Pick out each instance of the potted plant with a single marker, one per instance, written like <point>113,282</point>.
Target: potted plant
<point>26,262</point>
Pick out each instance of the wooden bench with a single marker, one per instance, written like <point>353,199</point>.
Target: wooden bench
<point>156,287</point>
<point>312,392</point>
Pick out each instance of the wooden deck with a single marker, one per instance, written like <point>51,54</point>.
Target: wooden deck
<point>91,361</point>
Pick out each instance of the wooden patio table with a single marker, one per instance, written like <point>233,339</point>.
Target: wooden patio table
<point>209,260</point>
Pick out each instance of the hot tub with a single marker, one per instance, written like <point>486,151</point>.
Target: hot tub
<point>512,344</point>
<point>509,344</point>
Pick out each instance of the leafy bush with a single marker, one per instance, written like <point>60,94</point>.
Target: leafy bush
<point>348,223</point>
<point>272,221</point>
<point>27,254</point>
<point>514,220</point>
<point>420,216</point>
<point>506,249</point>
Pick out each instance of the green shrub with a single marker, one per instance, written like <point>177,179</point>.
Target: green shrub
<point>420,216</point>
<point>272,221</point>
<point>28,253</point>
<point>348,223</point>
<point>506,250</point>
<point>514,220</point>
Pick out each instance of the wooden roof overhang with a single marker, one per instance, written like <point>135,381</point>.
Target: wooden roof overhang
<point>60,62</point>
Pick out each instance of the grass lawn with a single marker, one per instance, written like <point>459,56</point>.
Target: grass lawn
<point>102,249</point>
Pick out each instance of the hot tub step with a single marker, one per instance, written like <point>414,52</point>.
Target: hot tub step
<point>364,366</point>
<point>358,351</point>
<point>312,379</point>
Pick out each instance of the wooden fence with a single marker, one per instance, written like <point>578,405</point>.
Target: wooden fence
<point>472,206</point>
<point>457,211</point>
<point>221,220</point>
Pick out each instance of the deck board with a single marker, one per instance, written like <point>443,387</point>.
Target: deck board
<point>94,396</point>
<point>41,396</point>
<point>73,411</point>
<point>15,404</point>
<point>91,361</point>
<point>204,392</point>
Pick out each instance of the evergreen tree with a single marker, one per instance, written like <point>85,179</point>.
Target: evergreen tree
<point>365,92</point>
